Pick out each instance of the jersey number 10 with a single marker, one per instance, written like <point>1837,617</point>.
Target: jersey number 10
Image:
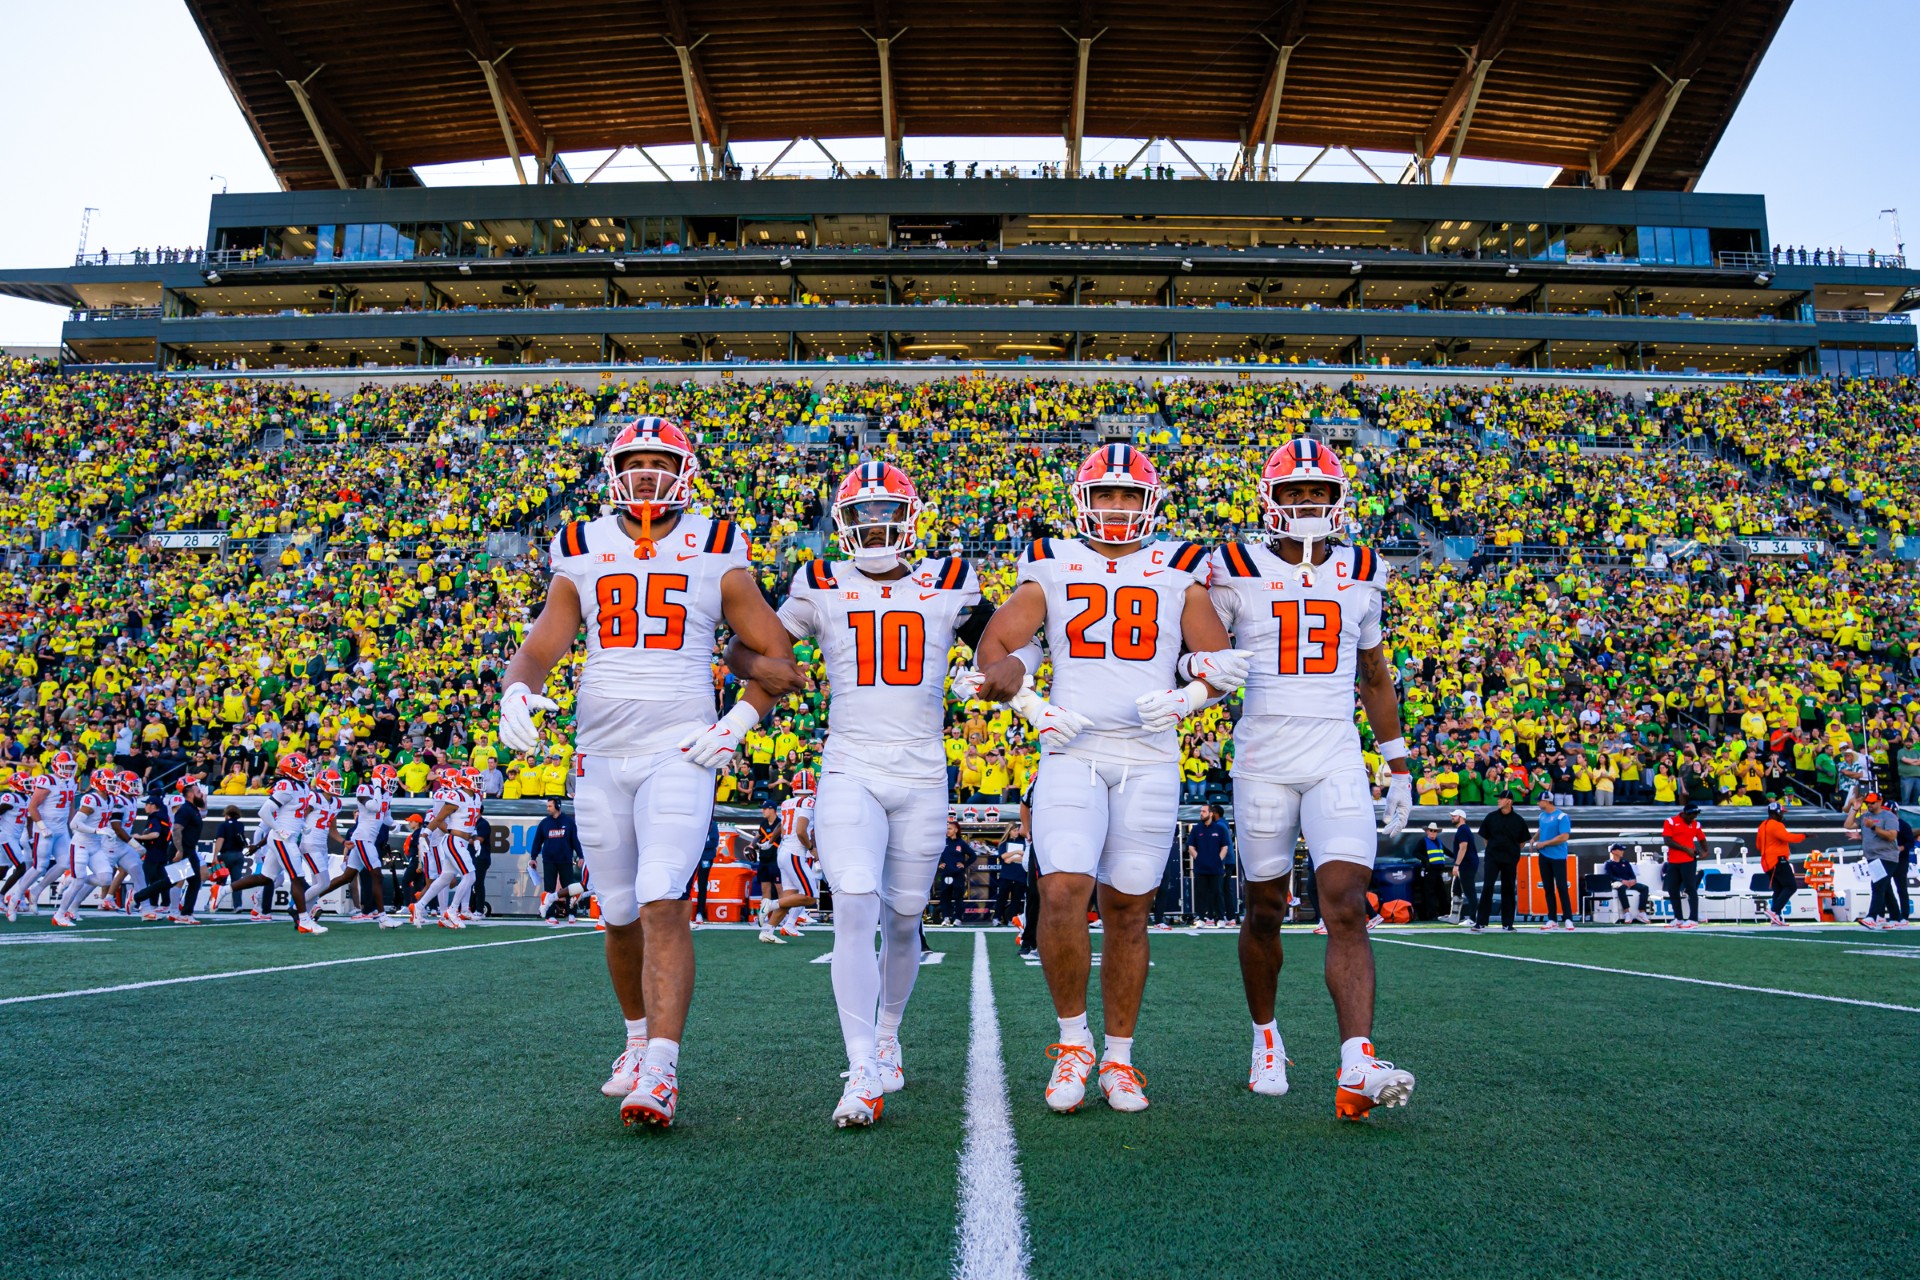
<point>618,594</point>
<point>894,645</point>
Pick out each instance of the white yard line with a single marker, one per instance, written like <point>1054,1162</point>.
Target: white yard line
<point>991,1235</point>
<point>1640,973</point>
<point>283,968</point>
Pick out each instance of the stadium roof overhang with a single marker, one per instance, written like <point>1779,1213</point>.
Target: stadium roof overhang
<point>352,94</point>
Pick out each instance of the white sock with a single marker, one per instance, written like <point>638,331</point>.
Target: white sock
<point>1074,1031</point>
<point>636,1030</point>
<point>856,971</point>
<point>1355,1052</point>
<point>1266,1035</point>
<point>663,1053</point>
<point>889,1025</point>
<point>899,962</point>
<point>1120,1050</point>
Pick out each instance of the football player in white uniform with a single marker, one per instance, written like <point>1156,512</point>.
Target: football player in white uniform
<point>465,842</point>
<point>440,863</point>
<point>1310,613</point>
<point>651,583</point>
<point>373,801</point>
<point>1119,606</point>
<point>318,834</point>
<point>277,830</point>
<point>886,626</point>
<point>97,829</point>
<point>799,867</point>
<point>16,859</point>
<point>49,816</point>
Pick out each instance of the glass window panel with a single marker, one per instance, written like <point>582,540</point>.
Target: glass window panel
<point>323,248</point>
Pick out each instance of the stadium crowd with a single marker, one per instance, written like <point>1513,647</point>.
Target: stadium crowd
<point>1606,638</point>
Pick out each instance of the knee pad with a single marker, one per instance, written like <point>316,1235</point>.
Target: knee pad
<point>1267,818</point>
<point>653,882</point>
<point>858,914</point>
<point>901,901</point>
<point>618,906</point>
<point>1337,816</point>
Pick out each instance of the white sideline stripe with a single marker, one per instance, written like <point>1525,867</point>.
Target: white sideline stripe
<point>1664,977</point>
<point>284,968</point>
<point>992,1231</point>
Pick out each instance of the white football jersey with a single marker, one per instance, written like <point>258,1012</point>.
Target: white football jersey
<point>1297,715</point>
<point>792,810</point>
<point>436,798</point>
<point>56,811</point>
<point>885,644</point>
<point>466,812</point>
<point>375,810</point>
<point>321,811</point>
<point>650,622</point>
<point>286,808</point>
<point>91,814</point>
<point>1113,632</point>
<point>13,823</point>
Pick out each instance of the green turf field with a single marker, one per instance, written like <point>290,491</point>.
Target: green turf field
<point>436,1113</point>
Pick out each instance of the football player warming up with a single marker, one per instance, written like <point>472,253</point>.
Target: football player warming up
<point>885,625</point>
<point>279,826</point>
<point>97,829</point>
<point>797,862</point>
<point>374,809</point>
<point>49,815</point>
<point>1118,605</point>
<point>1297,767</point>
<point>651,583</point>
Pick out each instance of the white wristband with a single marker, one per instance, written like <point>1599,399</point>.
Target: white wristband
<point>1392,749</point>
<point>741,716</point>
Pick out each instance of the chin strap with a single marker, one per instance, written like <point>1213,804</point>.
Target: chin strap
<point>1306,566</point>
<point>643,545</point>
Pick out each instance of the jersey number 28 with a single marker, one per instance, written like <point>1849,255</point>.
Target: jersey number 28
<point>1136,621</point>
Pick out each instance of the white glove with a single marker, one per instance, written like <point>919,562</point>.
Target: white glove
<point>713,746</point>
<point>1399,803</point>
<point>1224,669</point>
<point>966,684</point>
<point>517,706</point>
<point>1168,707</point>
<point>1056,726</point>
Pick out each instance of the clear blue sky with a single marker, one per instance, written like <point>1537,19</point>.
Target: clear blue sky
<point>116,104</point>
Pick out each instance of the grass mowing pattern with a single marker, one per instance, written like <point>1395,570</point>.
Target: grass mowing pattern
<point>440,1116</point>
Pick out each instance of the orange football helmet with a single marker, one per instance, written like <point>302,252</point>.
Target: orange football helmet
<point>1117,466</point>
<point>876,496</point>
<point>1302,459</point>
<point>628,489</point>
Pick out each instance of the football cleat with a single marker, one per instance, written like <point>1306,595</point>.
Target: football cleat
<point>626,1070</point>
<point>309,925</point>
<point>13,910</point>
<point>149,916</point>
<point>1125,1087</point>
<point>1867,922</point>
<point>861,1101</point>
<point>1773,918</point>
<point>790,931</point>
<point>388,921</point>
<point>451,921</point>
<point>653,1099</point>
<point>768,935</point>
<point>258,917</point>
<point>1067,1087</point>
<point>1268,1075</point>
<point>64,921</point>
<point>1320,929</point>
<point>886,1052</point>
<point>413,915</point>
<point>1372,1083</point>
<point>1567,925</point>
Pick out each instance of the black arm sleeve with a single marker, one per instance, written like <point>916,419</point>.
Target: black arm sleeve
<point>974,625</point>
